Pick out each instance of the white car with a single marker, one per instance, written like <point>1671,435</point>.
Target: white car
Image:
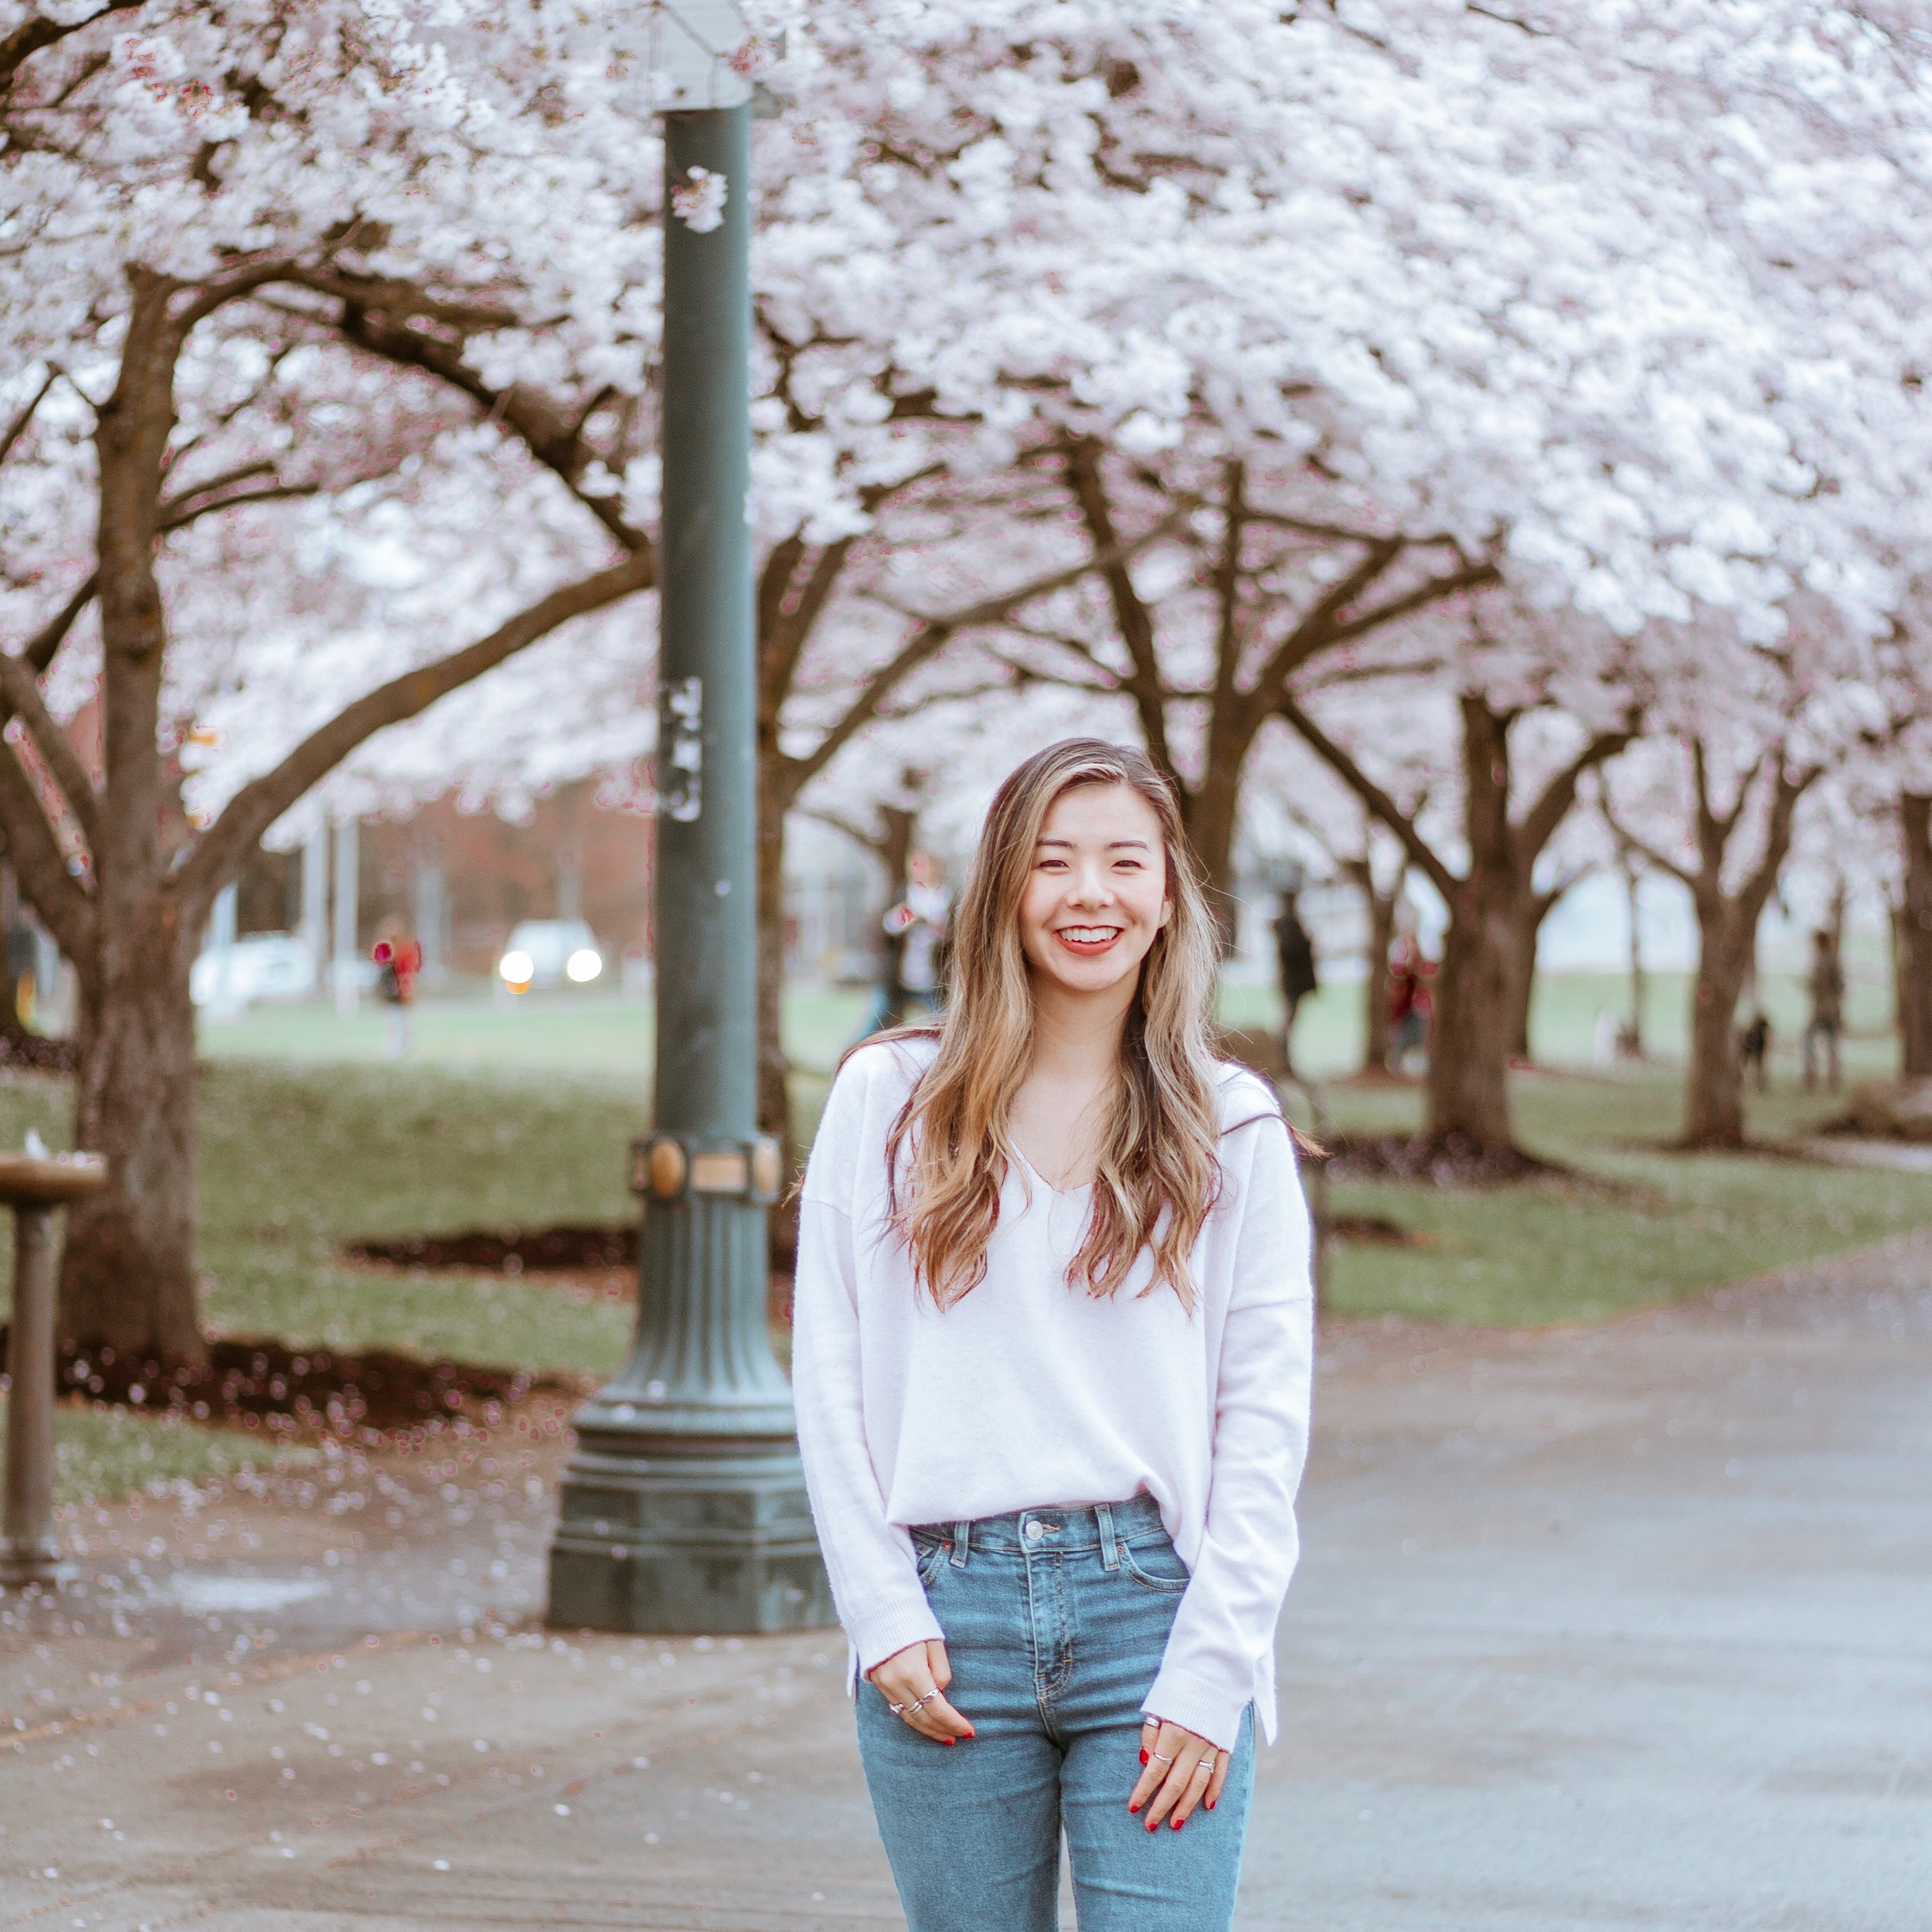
<point>262,966</point>
<point>548,952</point>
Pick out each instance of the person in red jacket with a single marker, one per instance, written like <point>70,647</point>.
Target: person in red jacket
<point>399,960</point>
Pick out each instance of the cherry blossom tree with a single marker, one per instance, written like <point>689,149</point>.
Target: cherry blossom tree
<point>170,170</point>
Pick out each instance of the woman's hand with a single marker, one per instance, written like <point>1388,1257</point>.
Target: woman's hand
<point>1181,1770</point>
<point>912,1681</point>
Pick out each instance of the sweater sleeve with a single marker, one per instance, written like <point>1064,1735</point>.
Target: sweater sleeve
<point>874,1575</point>
<point>1227,1616</point>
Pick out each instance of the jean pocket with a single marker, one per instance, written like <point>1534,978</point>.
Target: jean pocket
<point>1155,1565</point>
<point>932,1560</point>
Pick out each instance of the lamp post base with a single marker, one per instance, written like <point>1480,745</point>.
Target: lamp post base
<point>686,1538</point>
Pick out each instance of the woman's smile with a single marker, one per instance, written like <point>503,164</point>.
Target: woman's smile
<point>1088,940</point>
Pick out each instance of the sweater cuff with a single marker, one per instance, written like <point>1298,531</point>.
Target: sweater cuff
<point>894,1630</point>
<point>1209,1710</point>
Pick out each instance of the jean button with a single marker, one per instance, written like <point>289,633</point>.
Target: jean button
<point>1035,1531</point>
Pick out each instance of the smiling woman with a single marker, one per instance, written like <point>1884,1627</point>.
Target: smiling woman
<point>1051,1346</point>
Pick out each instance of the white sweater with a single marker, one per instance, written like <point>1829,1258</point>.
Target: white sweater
<point>1028,1392</point>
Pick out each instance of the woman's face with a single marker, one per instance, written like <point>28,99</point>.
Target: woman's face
<point>1098,892</point>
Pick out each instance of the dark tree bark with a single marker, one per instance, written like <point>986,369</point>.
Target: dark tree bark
<point>130,920</point>
<point>1913,929</point>
<point>1530,915</point>
<point>1381,908</point>
<point>1630,1044</point>
<point>1489,906</point>
<point>1726,933</point>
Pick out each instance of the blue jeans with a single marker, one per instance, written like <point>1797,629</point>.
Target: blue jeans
<point>1055,1620</point>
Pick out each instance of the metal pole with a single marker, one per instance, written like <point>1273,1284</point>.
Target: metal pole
<point>684,1508</point>
<point>28,1553</point>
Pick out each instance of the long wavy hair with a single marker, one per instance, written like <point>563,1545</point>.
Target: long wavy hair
<point>949,1151</point>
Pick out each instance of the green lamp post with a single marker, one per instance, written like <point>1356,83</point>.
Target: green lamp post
<point>684,1508</point>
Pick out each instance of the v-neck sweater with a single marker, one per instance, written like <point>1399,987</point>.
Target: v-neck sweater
<point>1028,1392</point>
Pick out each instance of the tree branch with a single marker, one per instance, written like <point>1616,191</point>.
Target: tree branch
<point>45,642</point>
<point>35,854</point>
<point>34,35</point>
<point>1642,847</point>
<point>226,846</point>
<point>1132,618</point>
<point>1475,576</point>
<point>20,693</point>
<point>1372,795</point>
<point>934,633</point>
<point>17,427</point>
<point>1540,822</point>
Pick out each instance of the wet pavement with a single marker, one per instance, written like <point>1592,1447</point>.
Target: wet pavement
<point>1623,1627</point>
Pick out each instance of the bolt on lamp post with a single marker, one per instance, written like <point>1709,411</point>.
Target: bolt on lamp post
<point>684,1508</point>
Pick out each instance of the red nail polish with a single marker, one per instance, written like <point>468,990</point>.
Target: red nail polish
<point>1151,1826</point>
<point>1143,1757</point>
<point>1211,1803</point>
<point>1133,1811</point>
<point>949,1742</point>
<point>1178,1823</point>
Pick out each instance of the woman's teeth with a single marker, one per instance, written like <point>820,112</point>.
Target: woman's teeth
<point>1089,935</point>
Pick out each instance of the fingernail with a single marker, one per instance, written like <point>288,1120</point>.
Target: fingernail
<point>1211,1803</point>
<point>1152,1826</point>
<point>1134,1810</point>
<point>949,1742</point>
<point>1143,1757</point>
<point>1179,1822</point>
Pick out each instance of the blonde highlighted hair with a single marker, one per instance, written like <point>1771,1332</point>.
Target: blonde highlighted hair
<point>1158,1173</point>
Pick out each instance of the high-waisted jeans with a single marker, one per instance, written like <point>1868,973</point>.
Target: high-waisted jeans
<point>1055,1620</point>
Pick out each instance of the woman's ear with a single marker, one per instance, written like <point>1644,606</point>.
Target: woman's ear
<point>1167,912</point>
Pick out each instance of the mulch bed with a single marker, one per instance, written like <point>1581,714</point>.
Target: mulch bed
<point>1447,1161</point>
<point>264,1383</point>
<point>1375,1230</point>
<point>507,1251</point>
<point>37,1054</point>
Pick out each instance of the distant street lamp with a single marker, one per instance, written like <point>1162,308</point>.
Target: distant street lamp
<point>684,1508</point>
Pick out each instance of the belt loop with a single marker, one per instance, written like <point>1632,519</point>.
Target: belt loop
<point>962,1544</point>
<point>1110,1550</point>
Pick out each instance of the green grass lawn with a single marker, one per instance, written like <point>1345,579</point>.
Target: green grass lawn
<point>309,1138</point>
<point>1644,1224</point>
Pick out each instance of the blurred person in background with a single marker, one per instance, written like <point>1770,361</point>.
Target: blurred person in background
<point>1294,959</point>
<point>1409,1006</point>
<point>399,961</point>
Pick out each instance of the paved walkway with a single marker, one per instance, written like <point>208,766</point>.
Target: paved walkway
<point>1617,1628</point>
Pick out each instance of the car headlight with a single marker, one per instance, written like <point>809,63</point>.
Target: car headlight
<point>517,969</point>
<point>584,964</point>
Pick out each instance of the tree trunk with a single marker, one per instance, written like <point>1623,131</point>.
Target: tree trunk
<point>1914,937</point>
<point>894,851</point>
<point>1213,810</point>
<point>1475,1007</point>
<point>1470,1040</point>
<point>1381,907</point>
<point>1631,1046</point>
<point>128,1272</point>
<point>1714,1110</point>
<point>1522,972</point>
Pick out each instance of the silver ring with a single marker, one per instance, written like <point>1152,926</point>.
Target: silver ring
<point>894,1708</point>
<point>1158,1759</point>
<point>919,1703</point>
<point>1204,1764</point>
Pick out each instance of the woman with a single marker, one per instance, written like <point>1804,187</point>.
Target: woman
<point>1051,1355</point>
